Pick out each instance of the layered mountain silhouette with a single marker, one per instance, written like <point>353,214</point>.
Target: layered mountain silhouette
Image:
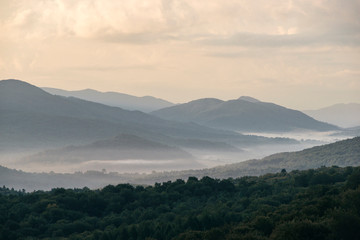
<point>124,146</point>
<point>33,118</point>
<point>343,115</point>
<point>115,99</point>
<point>244,114</point>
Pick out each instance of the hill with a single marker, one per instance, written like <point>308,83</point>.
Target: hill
<point>33,118</point>
<point>245,114</point>
<point>122,147</point>
<point>115,99</point>
<point>343,115</point>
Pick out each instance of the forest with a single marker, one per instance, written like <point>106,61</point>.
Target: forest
<point>321,203</point>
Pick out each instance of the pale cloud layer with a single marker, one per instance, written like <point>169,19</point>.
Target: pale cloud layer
<point>181,50</point>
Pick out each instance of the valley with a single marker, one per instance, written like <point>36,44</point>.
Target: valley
<point>42,132</point>
<point>179,120</point>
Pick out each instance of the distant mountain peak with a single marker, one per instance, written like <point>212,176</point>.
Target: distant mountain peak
<point>14,82</point>
<point>89,90</point>
<point>248,99</point>
<point>207,100</point>
<point>17,87</point>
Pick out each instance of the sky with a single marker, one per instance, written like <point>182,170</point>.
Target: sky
<point>302,54</point>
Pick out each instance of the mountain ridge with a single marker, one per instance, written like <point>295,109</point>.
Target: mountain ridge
<point>242,114</point>
<point>115,99</point>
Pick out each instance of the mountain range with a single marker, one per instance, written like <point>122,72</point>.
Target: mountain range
<point>343,115</point>
<point>245,114</point>
<point>115,99</point>
<point>34,119</point>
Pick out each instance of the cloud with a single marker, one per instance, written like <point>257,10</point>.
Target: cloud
<point>136,38</point>
<point>278,41</point>
<point>111,68</point>
<point>197,46</point>
<point>248,23</point>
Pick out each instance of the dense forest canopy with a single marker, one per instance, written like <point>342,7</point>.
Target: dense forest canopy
<point>312,204</point>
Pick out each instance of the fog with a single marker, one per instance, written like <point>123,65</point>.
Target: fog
<point>201,158</point>
<point>306,139</point>
<point>303,136</point>
<point>119,166</point>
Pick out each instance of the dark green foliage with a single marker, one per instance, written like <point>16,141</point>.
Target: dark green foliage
<point>301,230</point>
<point>313,204</point>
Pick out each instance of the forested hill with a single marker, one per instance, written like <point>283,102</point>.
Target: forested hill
<point>312,204</point>
<point>342,153</point>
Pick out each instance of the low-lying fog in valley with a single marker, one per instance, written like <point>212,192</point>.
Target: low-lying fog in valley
<point>201,158</point>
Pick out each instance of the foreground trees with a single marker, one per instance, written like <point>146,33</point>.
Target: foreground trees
<point>312,204</point>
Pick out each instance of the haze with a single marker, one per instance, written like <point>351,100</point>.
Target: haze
<point>300,54</point>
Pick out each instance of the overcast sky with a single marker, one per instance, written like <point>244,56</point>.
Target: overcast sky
<point>300,54</point>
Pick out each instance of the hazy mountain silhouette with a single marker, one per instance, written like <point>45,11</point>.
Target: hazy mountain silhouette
<point>31,117</point>
<point>115,99</point>
<point>343,115</point>
<point>121,147</point>
<point>249,99</point>
<point>244,114</point>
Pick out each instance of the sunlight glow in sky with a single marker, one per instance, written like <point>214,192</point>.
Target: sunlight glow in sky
<point>300,54</point>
